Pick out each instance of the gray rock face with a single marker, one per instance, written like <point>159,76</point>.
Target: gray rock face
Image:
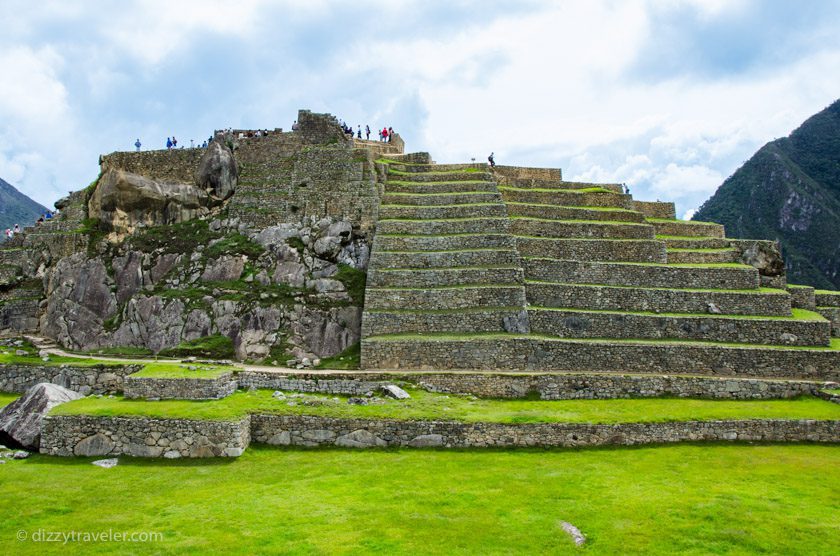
<point>151,322</point>
<point>128,274</point>
<point>106,463</point>
<point>217,172</point>
<point>327,332</point>
<point>224,269</point>
<point>79,299</point>
<point>21,419</point>
<point>765,257</point>
<point>122,201</point>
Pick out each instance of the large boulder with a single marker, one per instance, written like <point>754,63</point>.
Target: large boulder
<point>122,201</point>
<point>217,173</point>
<point>765,256</point>
<point>20,421</point>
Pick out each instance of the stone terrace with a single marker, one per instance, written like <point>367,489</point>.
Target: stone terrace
<point>610,284</point>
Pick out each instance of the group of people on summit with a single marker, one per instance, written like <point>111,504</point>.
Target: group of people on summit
<point>385,134</point>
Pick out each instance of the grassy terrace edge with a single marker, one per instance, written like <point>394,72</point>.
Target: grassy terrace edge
<point>427,406</point>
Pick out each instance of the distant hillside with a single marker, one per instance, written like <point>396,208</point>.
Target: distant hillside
<point>16,208</point>
<point>790,191</point>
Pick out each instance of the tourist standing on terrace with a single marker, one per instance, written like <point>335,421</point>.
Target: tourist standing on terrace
<point>168,143</point>
<point>137,144</point>
<point>367,132</point>
<point>384,134</point>
<point>491,160</point>
<point>390,133</point>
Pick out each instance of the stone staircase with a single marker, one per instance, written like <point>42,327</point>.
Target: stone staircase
<point>611,285</point>
<point>443,259</point>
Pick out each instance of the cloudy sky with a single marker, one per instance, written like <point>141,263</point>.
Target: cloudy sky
<point>669,96</point>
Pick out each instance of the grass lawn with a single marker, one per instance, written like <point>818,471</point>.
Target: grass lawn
<point>183,370</point>
<point>686,499</point>
<point>427,405</point>
<point>7,398</point>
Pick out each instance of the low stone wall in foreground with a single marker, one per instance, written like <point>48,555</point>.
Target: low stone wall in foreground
<point>297,430</point>
<point>83,435</point>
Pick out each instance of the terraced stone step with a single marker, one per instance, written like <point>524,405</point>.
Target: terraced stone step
<point>826,298</point>
<point>440,187</point>
<point>18,315</point>
<point>529,353</point>
<point>527,226</point>
<point>626,250</point>
<point>439,176</point>
<point>426,168</point>
<point>433,277</point>
<point>9,274</point>
<point>803,329</point>
<point>732,277</point>
<point>556,212</point>
<point>384,242</point>
<point>703,256</point>
<point>441,211</point>
<point>803,297</point>
<point>484,319</point>
<point>444,227</point>
<point>677,242</point>
<point>685,228</point>
<point>443,259</point>
<point>455,297</point>
<point>833,316</point>
<point>765,302</point>
<point>13,257</point>
<point>532,183</point>
<point>567,197</point>
<point>430,199</point>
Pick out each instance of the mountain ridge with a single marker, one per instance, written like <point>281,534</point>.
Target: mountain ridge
<point>17,208</point>
<point>789,191</point>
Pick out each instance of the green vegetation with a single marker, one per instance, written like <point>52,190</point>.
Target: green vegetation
<point>766,291</point>
<point>182,370</point>
<point>354,281</point>
<point>217,347</point>
<point>296,243</point>
<point>430,406</point>
<point>835,391</point>
<point>564,191</point>
<point>183,237</point>
<point>235,244</point>
<point>7,398</point>
<point>803,166</point>
<point>349,359</point>
<point>658,500</point>
<point>55,360</point>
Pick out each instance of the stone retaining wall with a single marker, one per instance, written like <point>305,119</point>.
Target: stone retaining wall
<point>333,384</point>
<point>180,388</point>
<point>98,379</point>
<point>628,250</point>
<point>655,209</point>
<point>297,430</point>
<point>537,354</point>
<point>82,435</point>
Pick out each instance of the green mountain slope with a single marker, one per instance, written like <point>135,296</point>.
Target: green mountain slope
<point>790,191</point>
<point>16,208</point>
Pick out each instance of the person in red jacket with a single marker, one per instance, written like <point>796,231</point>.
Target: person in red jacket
<point>385,134</point>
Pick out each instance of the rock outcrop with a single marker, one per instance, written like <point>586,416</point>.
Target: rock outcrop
<point>20,421</point>
<point>217,173</point>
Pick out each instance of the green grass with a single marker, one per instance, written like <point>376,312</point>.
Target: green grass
<point>349,359</point>
<point>430,406</point>
<point>677,220</point>
<point>583,222</point>
<point>354,281</point>
<point>218,346</point>
<point>7,398</point>
<point>235,244</point>
<point>799,287</point>
<point>835,391</point>
<point>658,500</point>
<point>55,360</point>
<point>182,370</point>
<point>764,291</point>
<point>660,265</point>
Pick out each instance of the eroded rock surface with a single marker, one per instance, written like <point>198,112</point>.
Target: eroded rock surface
<point>20,421</point>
